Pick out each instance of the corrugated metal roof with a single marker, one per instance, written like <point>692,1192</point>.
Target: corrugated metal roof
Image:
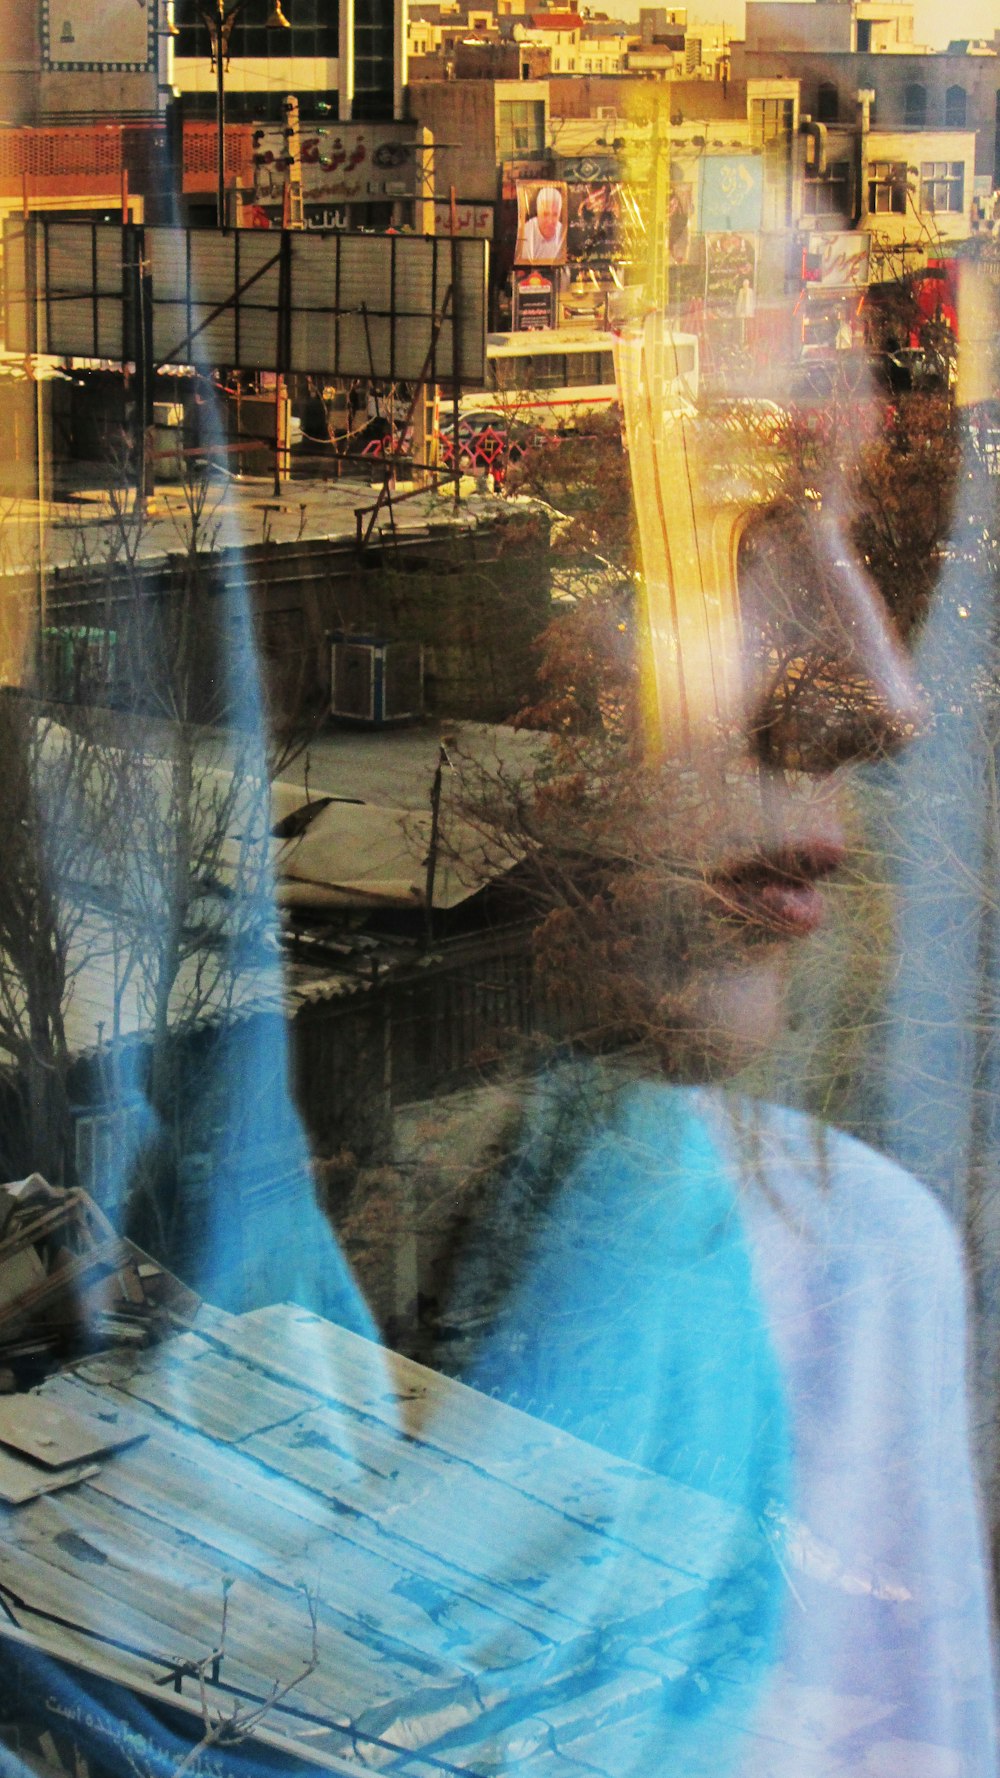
<point>364,855</point>
<point>481,1578</point>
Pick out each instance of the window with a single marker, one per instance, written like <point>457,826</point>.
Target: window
<point>314,31</point>
<point>373,59</point>
<point>864,38</point>
<point>955,108</point>
<point>827,102</point>
<point>829,193</point>
<point>520,128</point>
<point>915,106</point>
<point>770,122</point>
<point>887,188</point>
<point>942,186</point>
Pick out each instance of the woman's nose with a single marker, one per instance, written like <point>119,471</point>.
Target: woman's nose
<point>828,679</point>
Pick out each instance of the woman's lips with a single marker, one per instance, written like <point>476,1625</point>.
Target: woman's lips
<point>778,891</point>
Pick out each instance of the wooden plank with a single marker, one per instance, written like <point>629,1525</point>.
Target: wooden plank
<point>53,1430</point>
<point>208,1486</point>
<point>224,1397</point>
<point>20,1481</point>
<point>504,1745</point>
<point>669,1523</point>
<point>376,1591</point>
<point>483,1527</point>
<point>164,1600</point>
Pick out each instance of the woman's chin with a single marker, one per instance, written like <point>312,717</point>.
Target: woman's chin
<point>725,1018</point>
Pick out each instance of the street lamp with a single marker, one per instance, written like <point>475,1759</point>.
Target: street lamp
<point>220,20</point>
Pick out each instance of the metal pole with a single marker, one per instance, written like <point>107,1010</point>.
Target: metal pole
<point>455,366</point>
<point>217,26</point>
<point>432,850</point>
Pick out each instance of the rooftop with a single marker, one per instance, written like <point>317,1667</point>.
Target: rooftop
<point>404,1572</point>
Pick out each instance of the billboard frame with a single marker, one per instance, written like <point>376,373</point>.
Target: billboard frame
<point>384,307</point>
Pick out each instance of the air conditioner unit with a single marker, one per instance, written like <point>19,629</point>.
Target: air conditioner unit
<point>376,682</point>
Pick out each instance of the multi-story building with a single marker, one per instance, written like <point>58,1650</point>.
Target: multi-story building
<point>84,60</point>
<point>574,45</point>
<point>110,103</point>
<point>345,60</point>
<point>838,48</point>
<point>87,120</point>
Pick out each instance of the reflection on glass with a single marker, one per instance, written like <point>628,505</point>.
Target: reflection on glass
<point>672,1470</point>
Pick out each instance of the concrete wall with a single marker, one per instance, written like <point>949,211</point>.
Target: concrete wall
<point>20,61</point>
<point>635,99</point>
<point>463,117</point>
<point>476,601</point>
<point>798,25</point>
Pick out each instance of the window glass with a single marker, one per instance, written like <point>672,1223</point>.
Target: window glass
<point>955,106</point>
<point>942,185</point>
<point>915,105</point>
<point>887,188</point>
<point>828,194</point>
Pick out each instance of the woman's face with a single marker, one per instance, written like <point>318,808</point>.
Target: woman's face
<point>772,668</point>
<point>818,681</point>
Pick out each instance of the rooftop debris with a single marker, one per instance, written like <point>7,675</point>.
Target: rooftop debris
<point>70,1284</point>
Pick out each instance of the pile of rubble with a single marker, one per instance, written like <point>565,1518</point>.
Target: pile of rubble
<point>70,1284</point>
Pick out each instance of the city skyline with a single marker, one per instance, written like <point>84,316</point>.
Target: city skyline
<point>937,23</point>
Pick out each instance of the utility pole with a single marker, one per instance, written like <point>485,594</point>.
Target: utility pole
<point>220,20</point>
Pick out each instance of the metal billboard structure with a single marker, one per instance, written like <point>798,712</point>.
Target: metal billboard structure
<point>388,307</point>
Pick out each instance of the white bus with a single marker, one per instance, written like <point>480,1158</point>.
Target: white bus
<point>556,376</point>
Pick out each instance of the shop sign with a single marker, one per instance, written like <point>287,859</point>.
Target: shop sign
<point>470,219</point>
<point>586,169</point>
<point>839,261</point>
<point>730,274</point>
<point>583,304</point>
<point>515,171</point>
<point>534,301</point>
<point>350,161</point>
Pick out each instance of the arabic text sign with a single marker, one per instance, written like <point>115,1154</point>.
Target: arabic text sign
<point>470,219</point>
<point>730,275</point>
<point>840,260</point>
<point>534,301</point>
<point>346,161</point>
<point>732,194</point>
<point>594,218</point>
<point>353,306</point>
